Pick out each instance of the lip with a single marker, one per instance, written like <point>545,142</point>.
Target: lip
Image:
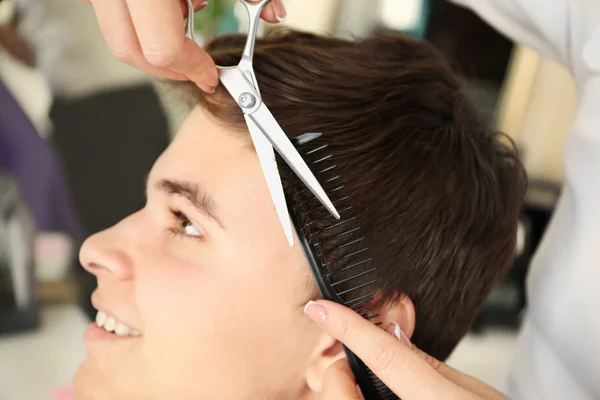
<point>99,307</point>
<point>94,333</point>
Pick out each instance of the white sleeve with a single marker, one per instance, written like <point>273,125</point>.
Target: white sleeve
<point>567,31</point>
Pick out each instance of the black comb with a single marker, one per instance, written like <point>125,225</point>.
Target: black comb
<point>348,276</point>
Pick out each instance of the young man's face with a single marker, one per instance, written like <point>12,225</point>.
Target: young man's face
<point>214,289</point>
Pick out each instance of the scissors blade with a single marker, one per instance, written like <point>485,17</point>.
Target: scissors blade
<point>266,156</point>
<point>263,118</point>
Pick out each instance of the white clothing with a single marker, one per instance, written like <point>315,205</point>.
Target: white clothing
<point>558,350</point>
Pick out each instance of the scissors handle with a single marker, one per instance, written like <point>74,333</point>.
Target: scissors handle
<point>254,10</point>
<point>189,25</point>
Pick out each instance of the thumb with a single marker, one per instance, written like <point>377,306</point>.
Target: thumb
<point>339,383</point>
<point>398,366</point>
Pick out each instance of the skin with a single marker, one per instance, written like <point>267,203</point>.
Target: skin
<point>407,371</point>
<point>219,304</point>
<point>219,308</point>
<point>147,34</point>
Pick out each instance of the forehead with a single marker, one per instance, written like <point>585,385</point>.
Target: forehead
<point>223,163</point>
<point>204,150</point>
<point>213,156</point>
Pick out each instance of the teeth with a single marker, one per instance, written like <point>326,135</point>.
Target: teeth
<point>121,330</point>
<point>100,318</point>
<point>110,324</point>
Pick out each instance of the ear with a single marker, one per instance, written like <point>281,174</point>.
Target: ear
<point>328,350</point>
<point>400,311</point>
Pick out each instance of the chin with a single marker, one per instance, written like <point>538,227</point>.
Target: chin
<point>90,384</point>
<point>83,383</point>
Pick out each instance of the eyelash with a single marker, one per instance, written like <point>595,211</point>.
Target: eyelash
<point>182,218</point>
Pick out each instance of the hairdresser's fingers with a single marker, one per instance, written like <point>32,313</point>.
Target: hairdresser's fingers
<point>465,381</point>
<point>119,32</point>
<point>339,383</point>
<point>198,5</point>
<point>397,365</point>
<point>274,12</point>
<point>159,25</point>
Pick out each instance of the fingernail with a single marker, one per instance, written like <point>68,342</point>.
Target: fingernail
<point>202,5</point>
<point>395,330</point>
<point>316,312</point>
<point>280,12</point>
<point>207,88</point>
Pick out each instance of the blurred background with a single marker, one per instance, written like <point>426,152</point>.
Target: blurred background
<point>77,126</point>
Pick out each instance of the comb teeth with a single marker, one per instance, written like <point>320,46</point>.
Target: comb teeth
<point>340,247</point>
<point>342,235</point>
<point>347,276</point>
<point>357,265</point>
<point>320,160</point>
<point>327,169</point>
<point>330,227</point>
<point>365,310</point>
<point>360,300</point>
<point>382,390</point>
<point>323,147</point>
<point>353,277</point>
<point>345,257</point>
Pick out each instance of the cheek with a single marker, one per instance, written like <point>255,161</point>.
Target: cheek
<point>234,317</point>
<point>179,307</point>
<point>207,310</point>
<point>174,298</point>
<point>262,310</point>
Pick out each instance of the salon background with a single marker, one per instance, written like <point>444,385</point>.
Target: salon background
<point>77,126</point>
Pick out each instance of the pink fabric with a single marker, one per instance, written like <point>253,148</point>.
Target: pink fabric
<point>63,394</point>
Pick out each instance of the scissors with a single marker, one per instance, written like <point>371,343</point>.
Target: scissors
<point>267,136</point>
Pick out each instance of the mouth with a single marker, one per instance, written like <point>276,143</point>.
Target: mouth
<point>112,325</point>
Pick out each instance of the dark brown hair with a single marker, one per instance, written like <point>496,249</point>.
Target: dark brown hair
<point>437,194</point>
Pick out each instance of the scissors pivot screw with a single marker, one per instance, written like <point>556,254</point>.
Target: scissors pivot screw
<point>247,100</point>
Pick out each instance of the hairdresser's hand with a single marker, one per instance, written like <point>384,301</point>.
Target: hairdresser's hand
<point>407,371</point>
<point>149,35</point>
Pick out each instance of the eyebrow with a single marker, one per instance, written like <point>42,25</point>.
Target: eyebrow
<point>202,201</point>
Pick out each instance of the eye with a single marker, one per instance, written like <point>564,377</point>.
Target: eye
<point>185,227</point>
<point>189,229</point>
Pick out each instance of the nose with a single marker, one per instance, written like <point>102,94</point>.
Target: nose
<point>108,253</point>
